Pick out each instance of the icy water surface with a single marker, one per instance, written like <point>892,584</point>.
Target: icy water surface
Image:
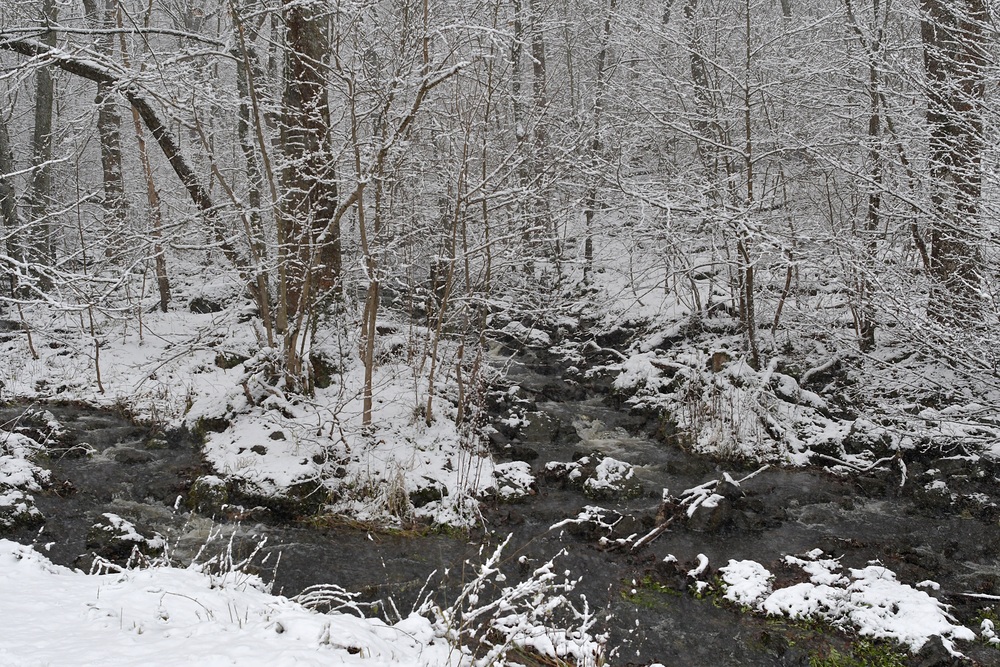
<point>145,476</point>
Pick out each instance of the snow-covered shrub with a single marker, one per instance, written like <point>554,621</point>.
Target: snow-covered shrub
<point>730,410</point>
<point>490,619</point>
<point>19,476</point>
<point>869,600</point>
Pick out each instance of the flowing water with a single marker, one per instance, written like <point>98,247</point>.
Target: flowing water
<point>144,476</point>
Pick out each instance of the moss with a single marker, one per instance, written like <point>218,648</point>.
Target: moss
<point>991,614</point>
<point>863,653</point>
<point>648,593</point>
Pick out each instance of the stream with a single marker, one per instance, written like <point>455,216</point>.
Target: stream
<point>143,475</point>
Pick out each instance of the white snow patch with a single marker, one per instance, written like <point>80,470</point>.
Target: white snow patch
<point>746,582</point>
<point>610,475</point>
<point>870,600</point>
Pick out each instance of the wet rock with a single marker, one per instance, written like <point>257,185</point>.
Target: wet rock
<point>516,451</point>
<point>209,495</point>
<point>933,496</point>
<point>599,477</point>
<point>118,540</point>
<point>617,338</point>
<point>426,491</point>
<point>712,518</point>
<point>227,360</point>
<point>565,390</point>
<point>730,491</point>
<point>129,456</point>
<point>541,427</point>
<point>956,465</point>
<point>864,436</point>
<point>17,510</point>
<point>515,398</point>
<point>204,306</point>
<point>612,480</point>
<point>513,481</point>
<point>260,450</point>
<point>302,499</point>
<point>609,528</point>
<point>934,654</point>
<point>43,427</point>
<point>497,440</point>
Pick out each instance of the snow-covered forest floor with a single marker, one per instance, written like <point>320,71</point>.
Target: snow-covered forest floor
<point>206,372</point>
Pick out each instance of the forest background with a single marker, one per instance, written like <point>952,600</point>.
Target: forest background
<point>772,223</point>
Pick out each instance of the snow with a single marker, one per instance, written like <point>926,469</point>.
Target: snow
<point>609,475</point>
<point>746,582</point>
<point>738,411</point>
<point>169,616</point>
<point>265,441</point>
<point>18,477</point>
<point>870,600</point>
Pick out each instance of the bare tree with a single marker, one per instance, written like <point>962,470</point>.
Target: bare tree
<point>100,15</point>
<point>308,226</point>
<point>8,198</point>
<point>955,56</point>
<point>43,243</point>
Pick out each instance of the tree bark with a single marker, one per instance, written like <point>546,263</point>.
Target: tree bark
<point>590,204</point>
<point>955,56</point>
<point>42,247</point>
<point>541,218</point>
<point>310,254</point>
<point>8,199</point>
<point>100,15</point>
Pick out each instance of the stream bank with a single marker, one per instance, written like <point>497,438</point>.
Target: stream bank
<point>102,464</point>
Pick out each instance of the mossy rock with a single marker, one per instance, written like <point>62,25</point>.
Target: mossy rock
<point>324,369</point>
<point>301,500</point>
<point>118,539</point>
<point>208,495</point>
<point>228,360</point>
<point>206,425</point>
<point>427,491</point>
<point>17,510</point>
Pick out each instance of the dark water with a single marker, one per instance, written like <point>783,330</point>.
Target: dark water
<point>144,476</point>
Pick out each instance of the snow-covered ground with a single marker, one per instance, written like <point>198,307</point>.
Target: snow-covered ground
<point>206,615</point>
<point>163,616</point>
<point>209,372</point>
<point>870,600</point>
<point>168,616</point>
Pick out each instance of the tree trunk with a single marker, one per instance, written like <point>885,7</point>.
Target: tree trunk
<point>541,218</point>
<point>42,247</point>
<point>310,251</point>
<point>872,46</point>
<point>155,211</point>
<point>109,128</point>
<point>955,56</point>
<point>590,204</point>
<point>8,200</point>
<point>250,127</point>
